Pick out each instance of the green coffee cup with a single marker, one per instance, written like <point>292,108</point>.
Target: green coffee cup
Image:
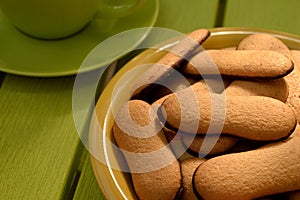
<point>55,19</point>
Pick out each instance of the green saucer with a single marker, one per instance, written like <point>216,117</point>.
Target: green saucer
<point>23,55</point>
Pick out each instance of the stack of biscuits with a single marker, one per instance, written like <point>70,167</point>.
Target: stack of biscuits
<point>215,123</point>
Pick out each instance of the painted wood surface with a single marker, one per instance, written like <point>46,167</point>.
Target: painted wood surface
<point>280,15</point>
<point>41,155</point>
<point>39,146</point>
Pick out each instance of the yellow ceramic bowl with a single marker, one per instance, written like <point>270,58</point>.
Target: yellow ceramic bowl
<point>114,183</point>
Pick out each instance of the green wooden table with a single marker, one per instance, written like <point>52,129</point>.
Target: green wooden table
<point>41,155</point>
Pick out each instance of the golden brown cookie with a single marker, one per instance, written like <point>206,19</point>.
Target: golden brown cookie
<point>264,41</point>
<point>170,85</point>
<point>293,80</point>
<point>271,169</point>
<point>204,86</point>
<point>247,145</point>
<point>188,168</point>
<point>210,85</point>
<point>171,60</point>
<point>155,171</point>
<point>250,117</point>
<point>213,144</point>
<point>257,64</point>
<point>296,133</point>
<point>277,88</point>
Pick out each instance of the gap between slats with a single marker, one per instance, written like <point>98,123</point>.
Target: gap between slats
<point>2,75</point>
<point>220,13</point>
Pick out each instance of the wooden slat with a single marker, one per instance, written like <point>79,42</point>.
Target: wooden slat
<point>87,187</point>
<point>280,15</point>
<point>186,16</point>
<point>39,145</point>
<point>183,16</point>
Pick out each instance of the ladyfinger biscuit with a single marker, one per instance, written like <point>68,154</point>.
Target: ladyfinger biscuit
<point>170,85</point>
<point>188,168</point>
<point>271,169</point>
<point>204,86</point>
<point>277,88</point>
<point>296,133</point>
<point>154,169</point>
<point>159,101</point>
<point>175,142</point>
<point>293,80</point>
<point>171,60</point>
<point>296,59</point>
<point>264,41</point>
<point>247,145</point>
<point>193,144</point>
<point>213,144</point>
<point>250,117</point>
<point>258,64</point>
<point>172,136</point>
<point>212,85</point>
